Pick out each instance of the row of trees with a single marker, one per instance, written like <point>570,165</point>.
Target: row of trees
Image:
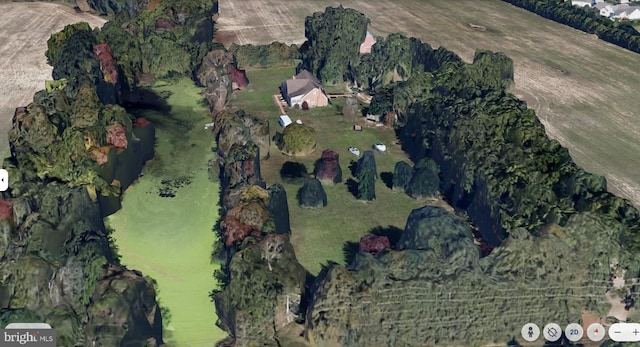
<point>273,54</point>
<point>585,19</point>
<point>496,159</point>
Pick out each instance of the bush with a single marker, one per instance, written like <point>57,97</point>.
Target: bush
<point>366,185</point>
<point>424,182</point>
<point>293,172</point>
<point>368,161</point>
<point>327,168</point>
<point>312,194</point>
<point>402,173</point>
<point>298,139</point>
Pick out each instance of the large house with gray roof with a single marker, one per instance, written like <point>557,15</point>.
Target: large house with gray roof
<point>304,87</point>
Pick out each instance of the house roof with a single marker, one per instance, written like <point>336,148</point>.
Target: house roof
<point>306,75</point>
<point>238,76</point>
<point>296,87</point>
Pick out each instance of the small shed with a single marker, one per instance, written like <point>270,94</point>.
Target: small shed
<point>209,125</point>
<point>373,117</point>
<point>239,80</point>
<point>284,120</point>
<point>357,127</point>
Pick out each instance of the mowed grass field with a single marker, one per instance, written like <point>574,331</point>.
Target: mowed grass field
<point>319,235</point>
<point>25,28</point>
<point>170,238</point>
<point>582,88</point>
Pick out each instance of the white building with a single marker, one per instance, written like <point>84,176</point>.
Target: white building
<point>284,120</point>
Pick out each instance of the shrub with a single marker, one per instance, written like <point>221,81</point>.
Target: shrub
<point>298,139</point>
<point>312,194</point>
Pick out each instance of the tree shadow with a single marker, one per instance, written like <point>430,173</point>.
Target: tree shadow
<point>293,172</point>
<point>387,178</point>
<point>316,166</point>
<point>144,99</point>
<point>349,251</point>
<point>352,186</point>
<point>393,233</point>
<point>353,167</point>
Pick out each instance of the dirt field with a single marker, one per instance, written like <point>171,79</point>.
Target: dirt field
<point>25,29</point>
<point>582,88</point>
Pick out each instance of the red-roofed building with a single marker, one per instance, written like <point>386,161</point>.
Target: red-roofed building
<point>239,78</point>
<point>369,41</point>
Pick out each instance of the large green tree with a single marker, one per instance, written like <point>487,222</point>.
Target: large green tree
<point>333,42</point>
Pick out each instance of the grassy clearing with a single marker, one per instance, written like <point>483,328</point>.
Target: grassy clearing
<point>320,235</point>
<point>581,87</point>
<point>170,238</point>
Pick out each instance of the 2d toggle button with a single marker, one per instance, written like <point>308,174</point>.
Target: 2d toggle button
<point>4,180</point>
<point>625,332</point>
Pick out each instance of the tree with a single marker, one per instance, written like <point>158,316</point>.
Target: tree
<point>366,185</point>
<point>312,194</point>
<point>350,109</point>
<point>333,41</point>
<point>279,208</point>
<point>368,161</point>
<point>424,181</point>
<point>298,139</point>
<point>272,247</point>
<point>402,173</point>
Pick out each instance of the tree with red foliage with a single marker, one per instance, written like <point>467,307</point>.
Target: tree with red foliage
<point>235,231</point>
<point>141,122</point>
<point>374,244</point>
<point>107,64</point>
<point>6,210</point>
<point>327,168</point>
<point>117,136</point>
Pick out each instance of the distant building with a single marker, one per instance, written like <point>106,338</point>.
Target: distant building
<point>304,87</point>
<point>239,80</point>
<point>369,41</point>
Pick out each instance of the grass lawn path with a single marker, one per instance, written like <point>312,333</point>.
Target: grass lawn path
<point>170,238</point>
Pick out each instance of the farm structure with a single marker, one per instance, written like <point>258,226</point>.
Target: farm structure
<point>304,87</point>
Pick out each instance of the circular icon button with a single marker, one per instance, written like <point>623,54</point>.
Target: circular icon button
<point>595,332</point>
<point>574,332</point>
<point>552,332</point>
<point>530,332</point>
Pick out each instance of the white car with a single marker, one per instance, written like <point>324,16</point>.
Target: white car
<point>380,147</point>
<point>354,151</point>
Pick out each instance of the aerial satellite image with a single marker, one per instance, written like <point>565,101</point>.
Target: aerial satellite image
<point>320,173</point>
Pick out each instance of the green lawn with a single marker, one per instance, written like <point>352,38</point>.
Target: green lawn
<point>319,235</point>
<point>170,238</point>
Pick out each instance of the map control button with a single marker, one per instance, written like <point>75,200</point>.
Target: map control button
<point>596,332</point>
<point>625,332</point>
<point>4,180</point>
<point>530,332</point>
<point>574,332</point>
<point>552,332</point>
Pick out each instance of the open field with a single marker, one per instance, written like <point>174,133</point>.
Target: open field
<point>25,28</point>
<point>170,238</point>
<point>319,235</point>
<point>583,89</point>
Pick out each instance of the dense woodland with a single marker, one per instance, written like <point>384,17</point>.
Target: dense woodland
<point>586,19</point>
